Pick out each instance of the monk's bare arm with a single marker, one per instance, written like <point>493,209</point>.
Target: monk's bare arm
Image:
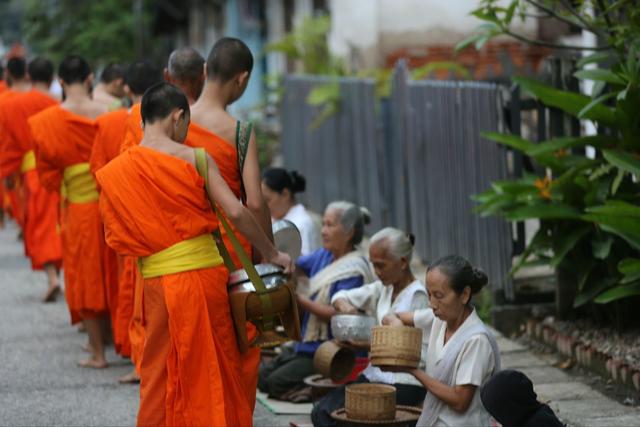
<point>220,192</point>
<point>252,179</point>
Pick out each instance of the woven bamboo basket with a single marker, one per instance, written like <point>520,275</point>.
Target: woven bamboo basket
<point>370,402</point>
<point>396,346</point>
<point>333,361</point>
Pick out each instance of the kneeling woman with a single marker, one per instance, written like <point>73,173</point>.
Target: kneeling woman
<point>397,291</point>
<point>462,353</point>
<point>335,267</point>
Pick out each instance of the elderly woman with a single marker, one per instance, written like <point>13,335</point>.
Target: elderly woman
<point>335,267</point>
<point>397,291</point>
<point>279,188</point>
<point>462,353</point>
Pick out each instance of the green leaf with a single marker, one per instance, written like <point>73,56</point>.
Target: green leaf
<point>590,292</point>
<point>468,42</point>
<point>570,102</point>
<point>629,266</point>
<point>597,101</point>
<point>543,211</point>
<point>600,74</point>
<point>590,59</point>
<point>601,248</point>
<point>552,145</point>
<point>623,160</point>
<point>617,181</point>
<point>619,292</point>
<point>540,241</point>
<point>567,244</point>
<point>509,140</point>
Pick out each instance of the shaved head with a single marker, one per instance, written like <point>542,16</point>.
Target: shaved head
<point>17,68</point>
<point>228,58</point>
<point>40,69</point>
<point>186,64</point>
<point>141,75</point>
<point>186,70</point>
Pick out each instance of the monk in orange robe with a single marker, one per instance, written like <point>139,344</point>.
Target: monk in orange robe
<point>41,234</point>
<point>18,83</point>
<point>190,372</point>
<point>228,68</point>
<point>185,69</point>
<point>110,89</point>
<point>63,137</point>
<point>112,130</point>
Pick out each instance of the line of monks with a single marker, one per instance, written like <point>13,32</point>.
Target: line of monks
<point>89,201</point>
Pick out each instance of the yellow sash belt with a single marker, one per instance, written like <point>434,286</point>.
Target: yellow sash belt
<point>192,254</point>
<point>28,161</point>
<point>78,185</point>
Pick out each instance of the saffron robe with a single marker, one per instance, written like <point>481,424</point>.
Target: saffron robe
<point>41,233</point>
<point>12,196</point>
<point>190,370</point>
<point>63,139</point>
<point>106,146</point>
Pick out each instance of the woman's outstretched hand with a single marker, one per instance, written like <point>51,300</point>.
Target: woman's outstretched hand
<point>283,260</point>
<point>391,320</point>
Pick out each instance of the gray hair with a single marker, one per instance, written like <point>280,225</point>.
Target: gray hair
<point>399,243</point>
<point>186,64</point>
<point>352,217</point>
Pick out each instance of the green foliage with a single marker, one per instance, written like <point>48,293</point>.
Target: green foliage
<point>589,208</point>
<point>97,30</point>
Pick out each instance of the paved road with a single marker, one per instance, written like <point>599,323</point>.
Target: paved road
<point>40,383</point>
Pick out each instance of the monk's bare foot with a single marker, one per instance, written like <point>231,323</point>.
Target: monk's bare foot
<point>92,363</point>
<point>52,294</point>
<point>130,378</point>
<point>81,328</point>
<point>87,348</point>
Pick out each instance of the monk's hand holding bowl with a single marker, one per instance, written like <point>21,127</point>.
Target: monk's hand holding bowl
<point>283,260</point>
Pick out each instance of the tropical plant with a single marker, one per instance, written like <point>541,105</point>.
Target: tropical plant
<point>588,205</point>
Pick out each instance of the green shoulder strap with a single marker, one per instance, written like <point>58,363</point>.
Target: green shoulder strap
<point>243,136</point>
<point>203,170</point>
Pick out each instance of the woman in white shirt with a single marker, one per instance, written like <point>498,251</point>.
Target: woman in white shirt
<point>279,188</point>
<point>397,291</point>
<point>462,353</point>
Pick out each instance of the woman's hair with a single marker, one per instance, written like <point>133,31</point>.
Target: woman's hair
<point>278,179</point>
<point>352,217</point>
<point>399,243</point>
<point>460,273</point>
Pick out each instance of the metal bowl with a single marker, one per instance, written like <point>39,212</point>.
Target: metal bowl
<point>271,275</point>
<point>355,327</point>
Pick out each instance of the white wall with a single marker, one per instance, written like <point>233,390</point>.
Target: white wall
<point>376,27</point>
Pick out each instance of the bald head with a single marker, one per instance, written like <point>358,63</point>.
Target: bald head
<point>185,69</point>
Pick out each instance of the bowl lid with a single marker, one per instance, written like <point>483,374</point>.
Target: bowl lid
<point>286,237</point>
<point>240,276</point>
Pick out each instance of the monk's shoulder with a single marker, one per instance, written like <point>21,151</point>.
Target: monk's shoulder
<point>46,117</point>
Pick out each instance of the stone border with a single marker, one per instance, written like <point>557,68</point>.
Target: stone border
<point>587,356</point>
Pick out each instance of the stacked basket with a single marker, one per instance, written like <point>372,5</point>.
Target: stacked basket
<point>396,346</point>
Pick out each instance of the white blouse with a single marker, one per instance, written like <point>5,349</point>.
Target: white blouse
<point>375,299</point>
<point>309,230</point>
<point>474,365</point>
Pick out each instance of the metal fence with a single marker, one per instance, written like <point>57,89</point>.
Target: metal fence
<point>414,161</point>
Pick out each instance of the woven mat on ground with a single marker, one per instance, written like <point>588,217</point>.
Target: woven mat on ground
<point>279,407</point>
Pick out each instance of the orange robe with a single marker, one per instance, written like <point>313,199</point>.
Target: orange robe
<point>14,195</point>
<point>106,146</point>
<point>63,139</point>
<point>41,232</point>
<point>132,137</point>
<point>226,157</point>
<point>190,371</point>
